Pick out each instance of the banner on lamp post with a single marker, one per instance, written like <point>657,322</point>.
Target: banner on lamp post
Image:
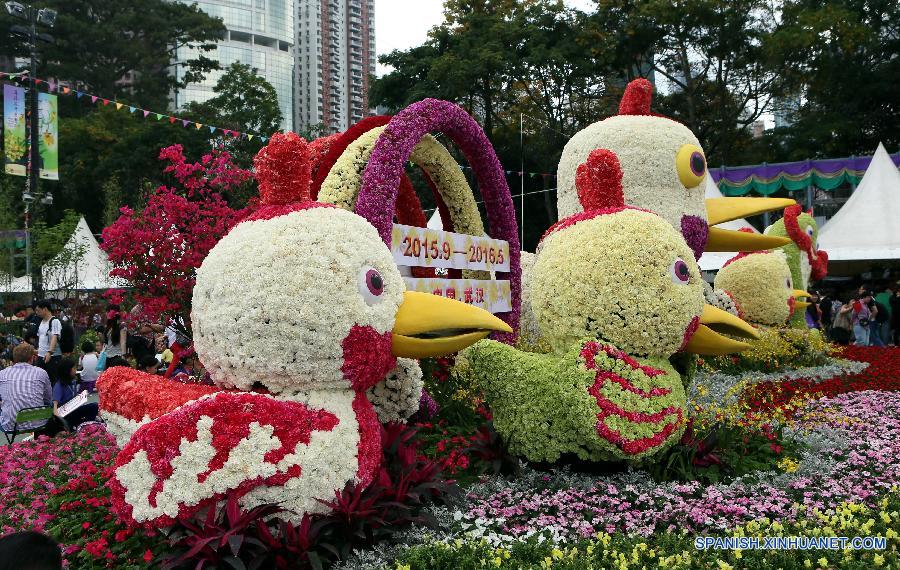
<point>48,138</point>
<point>15,141</point>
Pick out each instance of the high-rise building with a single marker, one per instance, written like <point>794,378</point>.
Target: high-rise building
<point>335,56</point>
<point>260,33</point>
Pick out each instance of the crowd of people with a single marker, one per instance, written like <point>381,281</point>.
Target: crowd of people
<point>862,317</point>
<point>41,367</point>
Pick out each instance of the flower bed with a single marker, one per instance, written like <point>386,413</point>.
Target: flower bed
<point>675,549</point>
<point>58,486</point>
<point>853,455</point>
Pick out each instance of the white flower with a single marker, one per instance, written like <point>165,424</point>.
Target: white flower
<point>397,396</point>
<point>275,298</point>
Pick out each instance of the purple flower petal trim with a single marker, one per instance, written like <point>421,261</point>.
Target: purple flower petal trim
<point>381,180</point>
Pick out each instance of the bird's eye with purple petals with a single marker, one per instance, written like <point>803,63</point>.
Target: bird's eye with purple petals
<point>371,285</point>
<point>679,272</point>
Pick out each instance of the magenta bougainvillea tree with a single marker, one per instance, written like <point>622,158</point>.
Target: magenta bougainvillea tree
<point>157,249</point>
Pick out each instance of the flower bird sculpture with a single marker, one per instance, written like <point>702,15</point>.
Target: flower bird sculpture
<point>663,170</point>
<point>616,293</point>
<point>297,312</point>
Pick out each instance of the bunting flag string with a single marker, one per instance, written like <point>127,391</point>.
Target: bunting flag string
<point>519,173</point>
<point>54,86</point>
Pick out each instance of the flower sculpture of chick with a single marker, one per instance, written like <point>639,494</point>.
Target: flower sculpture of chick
<point>761,286</point>
<point>297,312</point>
<point>663,170</point>
<point>616,293</point>
<point>807,263</point>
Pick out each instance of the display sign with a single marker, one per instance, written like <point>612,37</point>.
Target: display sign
<point>48,139</point>
<point>492,296</point>
<point>423,247</point>
<point>15,143</point>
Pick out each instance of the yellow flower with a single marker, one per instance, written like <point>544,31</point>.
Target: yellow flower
<point>807,563</point>
<point>823,562</point>
<point>403,566</point>
<point>556,553</point>
<point>724,565</point>
<point>497,561</point>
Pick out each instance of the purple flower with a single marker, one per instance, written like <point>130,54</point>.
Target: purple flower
<point>381,180</point>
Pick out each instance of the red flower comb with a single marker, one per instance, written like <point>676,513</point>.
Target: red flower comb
<point>637,97</point>
<point>598,181</point>
<point>283,170</point>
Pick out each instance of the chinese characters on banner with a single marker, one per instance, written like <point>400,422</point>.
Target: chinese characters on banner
<point>492,296</point>
<point>15,143</point>
<point>423,247</point>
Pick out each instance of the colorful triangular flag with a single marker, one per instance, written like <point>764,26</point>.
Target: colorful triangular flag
<point>172,120</point>
<point>250,137</point>
<point>198,125</point>
<point>212,129</point>
<point>263,139</point>
<point>119,106</point>
<point>146,112</point>
<point>78,94</point>
<point>94,98</point>
<point>105,102</point>
<point>132,109</point>
<point>159,117</point>
<point>184,122</point>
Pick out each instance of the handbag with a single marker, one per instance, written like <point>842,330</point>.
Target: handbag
<point>101,361</point>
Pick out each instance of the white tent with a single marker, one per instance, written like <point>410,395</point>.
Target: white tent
<point>80,265</point>
<point>868,225</point>
<point>714,260</point>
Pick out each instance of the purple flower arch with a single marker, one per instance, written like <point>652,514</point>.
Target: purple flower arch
<point>381,179</point>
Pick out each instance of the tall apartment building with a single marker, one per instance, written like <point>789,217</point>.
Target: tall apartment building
<point>335,56</point>
<point>260,33</point>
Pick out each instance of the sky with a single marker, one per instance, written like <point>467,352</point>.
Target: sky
<point>402,24</point>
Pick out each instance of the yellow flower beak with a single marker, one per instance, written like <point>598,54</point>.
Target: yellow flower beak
<point>708,341</point>
<point>720,210</point>
<point>796,294</point>
<point>428,325</point>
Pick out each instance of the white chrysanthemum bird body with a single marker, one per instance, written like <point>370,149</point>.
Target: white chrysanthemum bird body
<point>297,312</point>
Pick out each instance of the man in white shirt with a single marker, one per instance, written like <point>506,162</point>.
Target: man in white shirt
<point>49,352</point>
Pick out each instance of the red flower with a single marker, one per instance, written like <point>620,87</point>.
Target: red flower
<point>148,556</point>
<point>776,448</point>
<point>85,525</point>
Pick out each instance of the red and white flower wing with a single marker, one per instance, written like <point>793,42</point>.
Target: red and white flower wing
<point>189,458</point>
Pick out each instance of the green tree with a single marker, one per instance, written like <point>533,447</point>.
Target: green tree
<point>244,101</point>
<point>710,53</point>
<point>100,43</point>
<point>841,79</point>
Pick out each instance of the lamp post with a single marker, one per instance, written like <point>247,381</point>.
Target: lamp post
<point>33,16</point>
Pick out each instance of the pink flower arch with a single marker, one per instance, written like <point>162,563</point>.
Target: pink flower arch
<point>381,179</point>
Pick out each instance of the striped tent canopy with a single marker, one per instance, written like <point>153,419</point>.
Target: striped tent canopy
<point>766,179</point>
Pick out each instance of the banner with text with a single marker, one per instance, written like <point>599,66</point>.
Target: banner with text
<point>423,247</point>
<point>15,143</point>
<point>492,296</point>
<point>48,135</point>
